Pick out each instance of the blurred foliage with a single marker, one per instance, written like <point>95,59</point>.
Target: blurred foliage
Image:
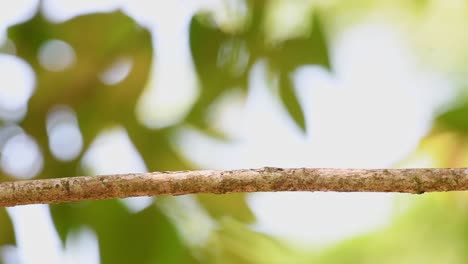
<point>216,206</point>
<point>124,237</point>
<point>233,243</point>
<point>456,117</point>
<point>222,59</point>
<point>231,54</point>
<point>6,234</point>
<point>432,231</point>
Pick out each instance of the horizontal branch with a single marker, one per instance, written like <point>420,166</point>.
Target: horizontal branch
<point>267,179</point>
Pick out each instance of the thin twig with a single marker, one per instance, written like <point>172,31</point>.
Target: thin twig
<point>267,179</point>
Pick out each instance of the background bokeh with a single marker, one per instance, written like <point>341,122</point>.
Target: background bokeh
<point>100,87</point>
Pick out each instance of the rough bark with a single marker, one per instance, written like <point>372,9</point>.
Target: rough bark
<point>267,179</point>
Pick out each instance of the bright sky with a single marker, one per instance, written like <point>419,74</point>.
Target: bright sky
<point>370,112</point>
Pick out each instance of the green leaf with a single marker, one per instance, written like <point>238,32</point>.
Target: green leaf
<point>311,49</point>
<point>289,99</point>
<point>109,37</point>
<point>455,118</point>
<point>293,53</point>
<point>7,235</point>
<point>234,242</point>
<point>232,205</point>
<point>155,147</point>
<point>124,237</point>
<point>221,61</point>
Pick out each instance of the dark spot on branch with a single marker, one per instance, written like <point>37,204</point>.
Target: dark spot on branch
<point>271,169</point>
<point>418,184</point>
<point>65,183</point>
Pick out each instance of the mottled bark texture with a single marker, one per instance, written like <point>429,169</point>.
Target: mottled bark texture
<point>249,180</point>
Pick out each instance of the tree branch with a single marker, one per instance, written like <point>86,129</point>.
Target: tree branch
<point>250,180</point>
